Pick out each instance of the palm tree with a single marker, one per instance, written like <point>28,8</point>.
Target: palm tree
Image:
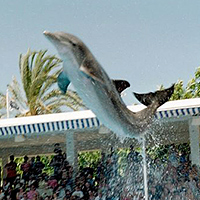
<point>2,105</point>
<point>38,76</point>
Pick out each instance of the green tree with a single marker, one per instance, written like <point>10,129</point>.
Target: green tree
<point>45,159</point>
<point>191,90</point>
<point>40,93</point>
<point>89,159</point>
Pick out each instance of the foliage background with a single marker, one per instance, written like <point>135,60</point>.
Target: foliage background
<point>46,159</point>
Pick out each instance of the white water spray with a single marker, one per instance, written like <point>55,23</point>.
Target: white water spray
<point>144,167</point>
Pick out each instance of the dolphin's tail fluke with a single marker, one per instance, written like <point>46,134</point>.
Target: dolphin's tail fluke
<point>160,96</point>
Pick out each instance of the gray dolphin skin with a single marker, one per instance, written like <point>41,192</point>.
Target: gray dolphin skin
<point>101,94</point>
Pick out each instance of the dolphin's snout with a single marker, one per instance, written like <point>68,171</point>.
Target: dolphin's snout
<point>51,36</point>
<point>45,32</point>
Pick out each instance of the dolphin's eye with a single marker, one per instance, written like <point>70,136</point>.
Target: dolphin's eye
<point>72,43</point>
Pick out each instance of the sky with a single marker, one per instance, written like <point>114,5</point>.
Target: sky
<point>146,42</point>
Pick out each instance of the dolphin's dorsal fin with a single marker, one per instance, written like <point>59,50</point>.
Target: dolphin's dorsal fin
<point>91,68</point>
<point>63,82</point>
<point>121,85</point>
<point>160,96</point>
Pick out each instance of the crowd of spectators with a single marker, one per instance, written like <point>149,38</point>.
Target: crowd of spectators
<point>175,178</point>
<point>172,179</point>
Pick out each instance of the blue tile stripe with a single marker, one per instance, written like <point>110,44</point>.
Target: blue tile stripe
<point>84,123</point>
<point>177,112</point>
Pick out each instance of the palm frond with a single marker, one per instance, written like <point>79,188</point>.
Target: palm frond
<point>16,93</point>
<point>53,93</point>
<point>51,80</point>
<point>76,99</point>
<point>49,63</point>
<point>55,104</point>
<point>34,53</point>
<point>25,72</point>
<point>36,86</point>
<point>2,102</point>
<point>38,64</point>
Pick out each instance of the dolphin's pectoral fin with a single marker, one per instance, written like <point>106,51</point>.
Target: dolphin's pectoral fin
<point>63,82</point>
<point>160,96</point>
<point>121,85</point>
<point>91,69</point>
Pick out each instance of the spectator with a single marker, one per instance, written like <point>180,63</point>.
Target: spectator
<point>90,180</point>
<point>25,167</point>
<point>67,194</point>
<point>11,170</point>
<point>173,155</point>
<point>55,195</point>
<point>61,191</point>
<point>32,164</point>
<point>6,185</point>
<point>78,192</point>
<point>100,196</point>
<point>53,183</point>
<point>43,187</point>
<point>133,155</point>
<point>25,196</point>
<point>91,195</point>
<point>20,194</point>
<point>70,181</point>
<point>57,163</point>
<point>86,188</point>
<point>2,195</point>
<point>33,193</point>
<point>38,166</point>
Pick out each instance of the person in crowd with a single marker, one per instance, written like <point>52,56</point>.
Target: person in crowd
<point>32,194</point>
<point>42,185</point>
<point>91,195</point>
<point>38,167</point>
<point>20,193</point>
<point>100,196</point>
<point>52,182</point>
<point>55,196</point>
<point>61,191</point>
<point>58,162</point>
<point>67,194</point>
<point>25,196</point>
<point>173,156</point>
<point>86,188</point>
<point>25,167</point>
<point>5,185</point>
<point>2,194</point>
<point>31,169</point>
<point>133,155</point>
<point>70,181</point>
<point>11,170</point>
<point>90,180</point>
<point>78,192</point>
<point>66,164</point>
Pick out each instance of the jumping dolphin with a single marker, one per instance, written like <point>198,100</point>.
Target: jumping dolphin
<point>99,92</point>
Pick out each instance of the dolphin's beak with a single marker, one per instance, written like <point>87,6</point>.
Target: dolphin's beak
<point>46,33</point>
<point>50,36</point>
